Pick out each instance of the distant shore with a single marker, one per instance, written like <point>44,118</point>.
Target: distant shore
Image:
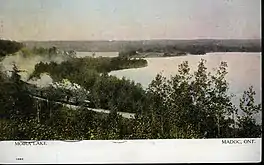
<point>155,55</point>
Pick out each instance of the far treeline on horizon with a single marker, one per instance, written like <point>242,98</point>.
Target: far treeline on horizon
<point>214,45</point>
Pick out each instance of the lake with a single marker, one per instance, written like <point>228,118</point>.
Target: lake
<point>97,54</point>
<point>244,69</point>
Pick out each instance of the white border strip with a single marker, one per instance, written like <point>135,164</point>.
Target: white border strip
<point>133,151</point>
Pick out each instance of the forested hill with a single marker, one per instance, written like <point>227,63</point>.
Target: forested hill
<point>253,45</point>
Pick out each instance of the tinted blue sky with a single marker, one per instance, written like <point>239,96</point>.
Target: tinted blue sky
<point>129,19</point>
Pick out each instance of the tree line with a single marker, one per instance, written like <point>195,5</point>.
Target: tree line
<point>183,49</point>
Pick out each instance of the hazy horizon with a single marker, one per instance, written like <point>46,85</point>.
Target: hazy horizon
<point>131,20</point>
<point>162,39</point>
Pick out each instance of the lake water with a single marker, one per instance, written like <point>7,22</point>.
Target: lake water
<point>97,54</point>
<point>244,69</point>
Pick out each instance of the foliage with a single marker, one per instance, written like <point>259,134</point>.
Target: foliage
<point>109,92</point>
<point>195,48</point>
<point>26,53</point>
<point>80,65</point>
<point>247,124</point>
<point>187,105</point>
<point>9,47</point>
<point>15,101</point>
<point>91,73</point>
<point>194,102</point>
<point>127,53</point>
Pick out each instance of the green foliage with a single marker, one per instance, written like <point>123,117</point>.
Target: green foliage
<point>187,105</point>
<point>8,47</point>
<point>47,53</point>
<point>196,102</point>
<point>88,64</point>
<point>190,47</point>
<point>247,125</point>
<point>110,92</point>
<point>127,53</point>
<point>15,101</point>
<point>26,53</point>
<point>91,73</point>
<point>40,50</point>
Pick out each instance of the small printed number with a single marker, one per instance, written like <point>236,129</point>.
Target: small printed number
<point>19,158</point>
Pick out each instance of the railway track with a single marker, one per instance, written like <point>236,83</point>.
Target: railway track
<point>75,106</point>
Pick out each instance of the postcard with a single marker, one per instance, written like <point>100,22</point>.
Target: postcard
<point>135,81</point>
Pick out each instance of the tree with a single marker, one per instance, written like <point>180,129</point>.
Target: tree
<point>198,105</point>
<point>247,124</point>
<point>23,105</point>
<point>8,47</point>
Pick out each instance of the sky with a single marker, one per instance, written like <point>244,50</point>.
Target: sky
<point>130,19</point>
